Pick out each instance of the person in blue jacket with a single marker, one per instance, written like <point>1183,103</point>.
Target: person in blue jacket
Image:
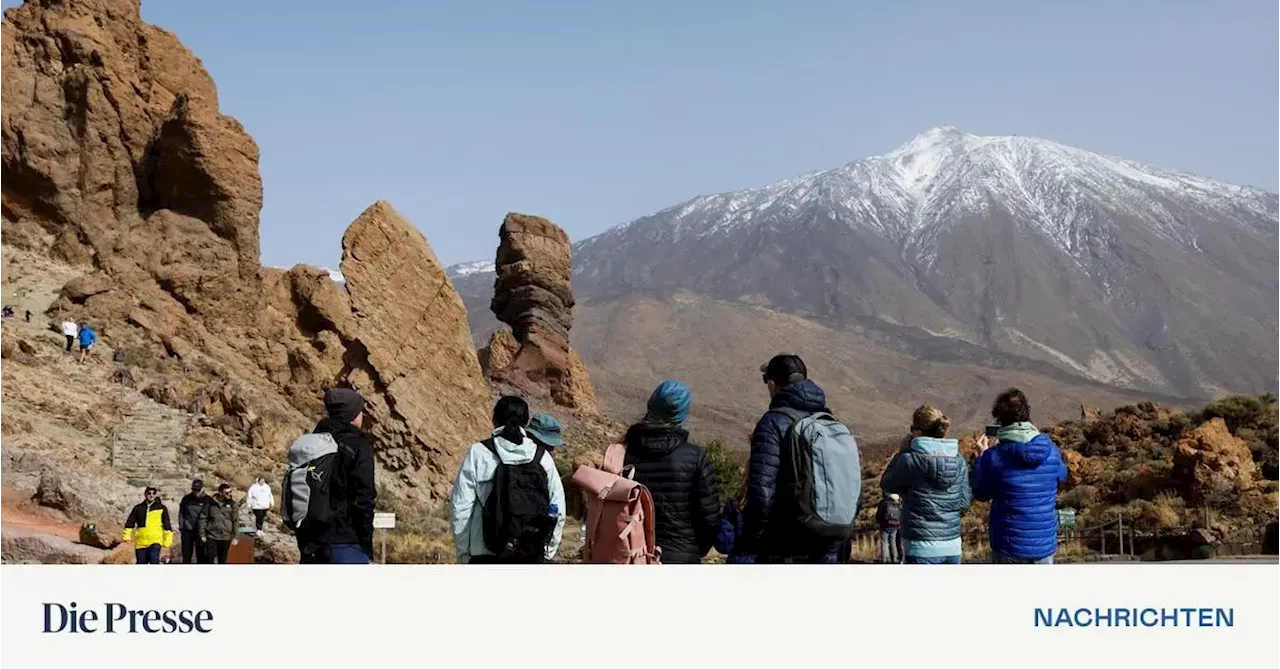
<point>933,480</point>
<point>769,532</point>
<point>87,339</point>
<point>1020,476</point>
<point>730,527</point>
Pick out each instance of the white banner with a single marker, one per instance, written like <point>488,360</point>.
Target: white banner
<point>669,616</point>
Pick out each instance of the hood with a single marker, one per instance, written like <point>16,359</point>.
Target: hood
<point>512,453</point>
<point>1030,453</point>
<point>335,426</point>
<point>802,396</point>
<point>646,441</point>
<point>940,463</point>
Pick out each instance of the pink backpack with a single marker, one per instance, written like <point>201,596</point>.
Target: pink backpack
<point>620,514</point>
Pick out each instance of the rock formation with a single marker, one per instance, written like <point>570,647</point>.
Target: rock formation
<point>532,295</point>
<point>412,354</point>
<point>117,160</point>
<point>1211,465</point>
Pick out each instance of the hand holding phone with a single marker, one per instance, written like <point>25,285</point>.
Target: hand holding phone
<point>992,431</point>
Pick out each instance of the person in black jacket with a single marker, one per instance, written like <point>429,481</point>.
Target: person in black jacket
<point>189,511</point>
<point>771,531</point>
<point>348,538</point>
<point>686,500</point>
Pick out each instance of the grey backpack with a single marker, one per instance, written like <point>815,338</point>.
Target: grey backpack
<point>823,471</point>
<point>304,495</point>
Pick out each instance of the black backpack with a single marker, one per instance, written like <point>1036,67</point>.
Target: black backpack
<point>517,518</point>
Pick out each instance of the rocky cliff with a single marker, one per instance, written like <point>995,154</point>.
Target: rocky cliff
<point>118,163</point>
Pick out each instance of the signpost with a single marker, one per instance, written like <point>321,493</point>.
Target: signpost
<point>384,522</point>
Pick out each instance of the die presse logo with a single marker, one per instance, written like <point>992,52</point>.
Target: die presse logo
<point>114,618</point>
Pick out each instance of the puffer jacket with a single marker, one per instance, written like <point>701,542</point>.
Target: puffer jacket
<point>147,525</point>
<point>1020,475</point>
<point>729,528</point>
<point>219,519</point>
<point>933,480</point>
<point>190,509</point>
<point>686,499</point>
<point>772,531</point>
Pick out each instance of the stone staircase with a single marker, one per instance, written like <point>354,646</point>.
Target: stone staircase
<point>148,446</point>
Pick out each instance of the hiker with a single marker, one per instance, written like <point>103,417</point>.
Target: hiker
<point>508,501</point>
<point>686,499</point>
<point>190,508</point>
<point>545,430</point>
<point>87,339</point>
<point>777,528</point>
<point>260,500</point>
<point>730,526</point>
<point>6,312</point>
<point>889,519</point>
<point>69,330</point>
<point>28,316</point>
<point>347,538</point>
<point>218,523</point>
<point>933,479</point>
<point>1020,476</point>
<point>148,528</point>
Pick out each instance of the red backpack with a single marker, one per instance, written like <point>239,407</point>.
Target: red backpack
<point>620,516</point>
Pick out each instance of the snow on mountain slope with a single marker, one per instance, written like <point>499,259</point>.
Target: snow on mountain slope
<point>944,174</point>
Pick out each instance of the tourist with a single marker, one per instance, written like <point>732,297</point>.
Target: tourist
<point>730,525</point>
<point>520,522</point>
<point>69,330</point>
<point>260,500</point>
<point>87,339</point>
<point>773,529</point>
<point>190,508</point>
<point>889,519</point>
<point>679,475</point>
<point>1020,476</point>
<point>148,527</point>
<point>218,524</point>
<point>933,480</point>
<point>348,537</point>
<point>544,429</point>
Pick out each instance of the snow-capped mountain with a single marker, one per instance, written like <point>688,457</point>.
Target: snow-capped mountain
<point>999,251</point>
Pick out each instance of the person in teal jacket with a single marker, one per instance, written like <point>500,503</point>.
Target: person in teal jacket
<point>933,480</point>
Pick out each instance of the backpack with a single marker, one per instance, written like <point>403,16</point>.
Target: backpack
<point>822,472</point>
<point>516,517</point>
<point>620,515</point>
<point>304,495</point>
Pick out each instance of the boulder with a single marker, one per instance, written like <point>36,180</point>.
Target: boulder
<point>411,353</point>
<point>22,546</point>
<point>99,535</point>
<point>532,295</point>
<point>499,352</point>
<point>1212,466</point>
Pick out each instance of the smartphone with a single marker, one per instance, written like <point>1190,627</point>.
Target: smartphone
<point>992,430</point>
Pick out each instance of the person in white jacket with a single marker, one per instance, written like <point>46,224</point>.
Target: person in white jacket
<point>260,500</point>
<point>472,485</point>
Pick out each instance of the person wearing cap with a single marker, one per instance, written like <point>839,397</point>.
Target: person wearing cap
<point>769,531</point>
<point>933,479</point>
<point>545,429</point>
<point>147,526</point>
<point>348,538</point>
<point>218,524</point>
<point>679,475</point>
<point>190,508</point>
<point>889,518</point>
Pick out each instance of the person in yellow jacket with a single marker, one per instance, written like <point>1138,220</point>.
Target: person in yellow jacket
<point>148,528</point>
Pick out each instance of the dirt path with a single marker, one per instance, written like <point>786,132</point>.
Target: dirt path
<point>16,510</point>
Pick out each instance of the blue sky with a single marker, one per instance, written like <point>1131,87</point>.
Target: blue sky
<point>594,113</point>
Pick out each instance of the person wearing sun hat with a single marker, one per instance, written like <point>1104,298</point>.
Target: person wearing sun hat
<point>545,429</point>
<point>678,474</point>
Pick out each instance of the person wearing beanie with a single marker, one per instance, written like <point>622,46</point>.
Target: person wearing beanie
<point>348,538</point>
<point>933,480</point>
<point>679,475</point>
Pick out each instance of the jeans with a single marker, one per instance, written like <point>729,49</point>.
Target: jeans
<point>1001,558</point>
<point>890,549</point>
<point>347,554</point>
<point>192,551</point>
<point>918,559</point>
<point>148,555</point>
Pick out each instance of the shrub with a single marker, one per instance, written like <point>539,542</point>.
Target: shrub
<point>730,467</point>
